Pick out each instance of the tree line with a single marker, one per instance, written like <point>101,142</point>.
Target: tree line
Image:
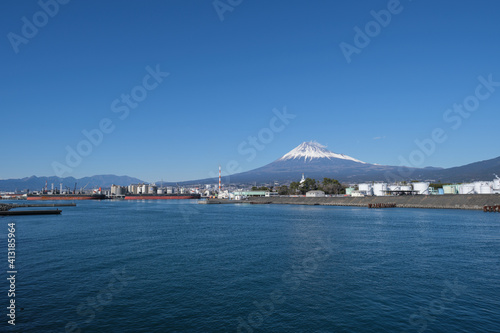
<point>328,185</point>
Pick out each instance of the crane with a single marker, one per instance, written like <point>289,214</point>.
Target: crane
<point>83,188</point>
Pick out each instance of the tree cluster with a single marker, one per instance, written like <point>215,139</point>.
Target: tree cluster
<point>262,188</point>
<point>328,185</point>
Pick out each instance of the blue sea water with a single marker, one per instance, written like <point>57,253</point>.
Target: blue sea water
<point>176,266</point>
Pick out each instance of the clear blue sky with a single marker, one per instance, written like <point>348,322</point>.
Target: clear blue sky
<point>226,77</point>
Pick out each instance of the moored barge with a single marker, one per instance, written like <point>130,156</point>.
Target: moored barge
<point>66,197</point>
<point>161,196</point>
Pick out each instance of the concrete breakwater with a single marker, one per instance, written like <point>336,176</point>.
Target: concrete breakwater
<point>473,202</point>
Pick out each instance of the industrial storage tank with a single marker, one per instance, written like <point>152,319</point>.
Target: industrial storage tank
<point>486,188</point>
<point>121,190</point>
<point>496,184</point>
<point>366,189</point>
<point>160,190</point>
<point>132,189</point>
<point>477,187</point>
<point>380,189</point>
<point>143,189</point>
<point>466,189</point>
<point>394,188</point>
<point>421,188</point>
<point>483,187</point>
<point>406,188</point>
<point>152,189</point>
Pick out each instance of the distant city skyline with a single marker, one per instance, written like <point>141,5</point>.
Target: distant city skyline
<point>171,90</point>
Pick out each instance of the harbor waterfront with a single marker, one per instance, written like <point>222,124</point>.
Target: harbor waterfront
<point>177,266</point>
<point>470,201</point>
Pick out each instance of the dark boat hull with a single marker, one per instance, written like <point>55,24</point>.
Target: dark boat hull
<point>31,212</point>
<point>67,197</point>
<point>161,197</point>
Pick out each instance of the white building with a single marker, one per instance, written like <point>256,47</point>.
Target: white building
<point>315,194</point>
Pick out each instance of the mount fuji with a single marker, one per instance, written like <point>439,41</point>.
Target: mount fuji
<point>316,161</point>
<point>312,150</point>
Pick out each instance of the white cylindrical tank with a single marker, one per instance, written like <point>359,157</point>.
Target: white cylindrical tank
<point>421,188</point>
<point>366,189</point>
<point>132,189</point>
<point>496,184</point>
<point>483,187</point>
<point>406,188</point>
<point>486,188</point>
<point>121,190</point>
<point>466,189</point>
<point>394,188</point>
<point>477,187</point>
<point>159,191</point>
<point>379,189</point>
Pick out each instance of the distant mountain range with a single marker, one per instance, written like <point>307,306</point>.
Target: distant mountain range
<point>310,158</point>
<point>315,161</point>
<point>35,183</point>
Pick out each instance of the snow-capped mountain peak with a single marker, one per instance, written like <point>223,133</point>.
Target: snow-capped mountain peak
<point>311,150</point>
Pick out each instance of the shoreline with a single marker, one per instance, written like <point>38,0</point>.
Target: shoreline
<point>450,201</point>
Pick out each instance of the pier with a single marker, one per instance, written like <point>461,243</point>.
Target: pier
<point>5,209</point>
<point>462,201</point>
<point>382,205</point>
<point>491,209</point>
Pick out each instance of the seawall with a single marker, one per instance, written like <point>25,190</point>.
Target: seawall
<point>474,202</point>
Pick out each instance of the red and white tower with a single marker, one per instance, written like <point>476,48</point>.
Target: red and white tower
<point>220,180</point>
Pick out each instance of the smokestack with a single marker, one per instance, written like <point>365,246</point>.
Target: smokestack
<point>220,182</point>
